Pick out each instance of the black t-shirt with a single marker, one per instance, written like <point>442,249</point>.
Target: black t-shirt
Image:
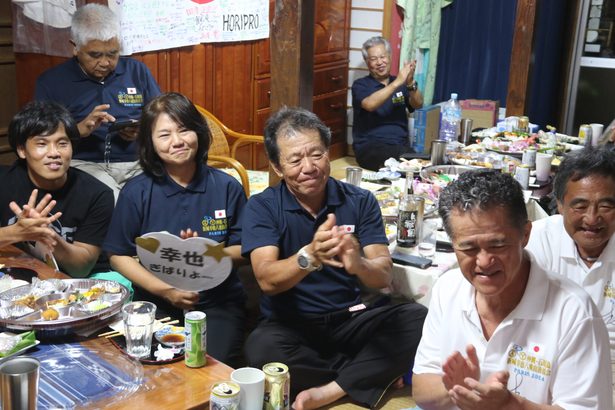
<point>85,202</point>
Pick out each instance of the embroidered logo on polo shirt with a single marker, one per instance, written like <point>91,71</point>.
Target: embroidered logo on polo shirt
<point>348,228</point>
<point>216,226</point>
<point>398,98</point>
<point>527,362</point>
<point>130,98</point>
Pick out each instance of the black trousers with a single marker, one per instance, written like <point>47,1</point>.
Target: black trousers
<point>373,154</point>
<point>363,352</point>
<point>225,326</point>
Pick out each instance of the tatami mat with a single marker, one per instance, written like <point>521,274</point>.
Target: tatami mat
<point>395,399</point>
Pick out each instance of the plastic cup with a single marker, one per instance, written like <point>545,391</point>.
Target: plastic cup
<point>353,175</point>
<point>19,383</point>
<point>543,166</point>
<point>138,327</point>
<point>596,133</point>
<point>428,238</point>
<point>252,387</point>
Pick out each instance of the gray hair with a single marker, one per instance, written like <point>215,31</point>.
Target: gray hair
<point>375,41</point>
<point>583,163</point>
<point>288,122</point>
<point>94,22</point>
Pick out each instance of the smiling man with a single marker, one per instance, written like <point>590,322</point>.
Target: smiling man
<point>313,241</point>
<point>579,242</point>
<point>501,332</point>
<point>45,200</point>
<point>380,104</point>
<point>99,88</point>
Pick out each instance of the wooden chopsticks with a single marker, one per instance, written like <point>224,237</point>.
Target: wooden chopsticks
<point>113,333</point>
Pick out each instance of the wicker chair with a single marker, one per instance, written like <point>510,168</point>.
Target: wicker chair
<point>220,155</point>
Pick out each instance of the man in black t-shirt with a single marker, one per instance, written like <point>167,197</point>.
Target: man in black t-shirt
<point>44,200</point>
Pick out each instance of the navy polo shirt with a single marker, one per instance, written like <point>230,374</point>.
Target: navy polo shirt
<point>127,89</point>
<point>388,124</point>
<point>149,205</point>
<point>275,218</point>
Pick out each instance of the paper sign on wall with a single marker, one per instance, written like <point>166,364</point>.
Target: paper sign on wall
<point>192,264</point>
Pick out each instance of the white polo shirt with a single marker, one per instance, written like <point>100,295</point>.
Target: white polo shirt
<point>555,251</point>
<point>554,343</point>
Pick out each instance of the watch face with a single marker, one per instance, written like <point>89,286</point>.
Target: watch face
<point>303,262</point>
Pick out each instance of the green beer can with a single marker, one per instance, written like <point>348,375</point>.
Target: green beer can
<point>195,325</point>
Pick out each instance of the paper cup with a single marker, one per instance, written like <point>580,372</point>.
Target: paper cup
<point>543,166</point>
<point>252,384</point>
<point>596,133</point>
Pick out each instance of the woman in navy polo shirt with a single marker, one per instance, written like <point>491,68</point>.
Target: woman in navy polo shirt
<point>177,193</point>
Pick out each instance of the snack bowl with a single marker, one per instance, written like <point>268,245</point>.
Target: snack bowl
<point>172,336</point>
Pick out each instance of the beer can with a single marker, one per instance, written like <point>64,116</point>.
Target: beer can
<point>585,133</point>
<point>224,396</point>
<point>195,325</point>
<point>529,157</point>
<point>277,387</point>
<point>522,175</point>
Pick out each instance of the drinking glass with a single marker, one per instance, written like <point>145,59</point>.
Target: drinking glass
<point>428,238</point>
<point>139,327</point>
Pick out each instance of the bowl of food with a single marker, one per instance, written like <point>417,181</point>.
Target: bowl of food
<point>442,175</point>
<point>171,336</point>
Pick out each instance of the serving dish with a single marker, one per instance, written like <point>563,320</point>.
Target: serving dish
<point>443,174</point>
<point>59,307</point>
<point>173,336</point>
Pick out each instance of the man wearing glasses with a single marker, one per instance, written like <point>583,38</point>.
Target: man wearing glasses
<point>579,242</point>
<point>380,105</point>
<point>99,88</point>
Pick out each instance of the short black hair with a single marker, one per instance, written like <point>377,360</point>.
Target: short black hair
<point>41,118</point>
<point>582,163</point>
<point>185,114</point>
<point>484,190</point>
<point>285,123</point>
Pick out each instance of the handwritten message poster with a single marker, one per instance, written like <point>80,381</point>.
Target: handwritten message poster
<point>159,24</point>
<point>189,264</point>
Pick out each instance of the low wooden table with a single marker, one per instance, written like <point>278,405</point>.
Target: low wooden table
<point>169,386</point>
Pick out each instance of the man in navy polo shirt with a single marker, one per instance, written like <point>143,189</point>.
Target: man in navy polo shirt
<point>100,88</point>
<point>379,103</point>
<point>313,242</point>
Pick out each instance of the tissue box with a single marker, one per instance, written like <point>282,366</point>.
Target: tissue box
<point>426,127</point>
<point>484,113</point>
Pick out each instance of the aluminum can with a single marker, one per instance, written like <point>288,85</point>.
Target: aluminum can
<point>195,325</point>
<point>224,396</point>
<point>522,175</point>
<point>585,133</point>
<point>529,157</point>
<point>277,387</point>
<point>523,124</point>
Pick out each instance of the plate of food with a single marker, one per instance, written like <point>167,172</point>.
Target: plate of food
<point>12,344</point>
<point>159,353</point>
<point>510,143</point>
<point>442,175</point>
<point>171,336</point>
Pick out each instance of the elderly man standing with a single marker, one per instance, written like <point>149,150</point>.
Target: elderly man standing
<point>100,88</point>
<point>533,340</point>
<point>579,243</point>
<point>313,241</point>
<point>380,104</point>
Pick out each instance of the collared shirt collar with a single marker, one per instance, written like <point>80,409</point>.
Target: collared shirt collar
<point>198,183</point>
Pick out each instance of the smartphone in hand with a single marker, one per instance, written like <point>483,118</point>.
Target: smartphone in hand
<point>120,125</point>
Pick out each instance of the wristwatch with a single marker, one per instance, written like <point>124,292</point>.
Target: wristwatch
<point>413,87</point>
<point>306,261</point>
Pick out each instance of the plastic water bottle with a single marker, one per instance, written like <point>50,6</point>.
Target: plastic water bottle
<point>450,119</point>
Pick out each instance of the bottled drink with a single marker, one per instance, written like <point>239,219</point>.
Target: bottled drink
<point>449,121</point>
<point>409,219</point>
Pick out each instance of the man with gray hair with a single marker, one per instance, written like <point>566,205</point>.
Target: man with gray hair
<point>100,88</point>
<point>380,104</point>
<point>502,332</point>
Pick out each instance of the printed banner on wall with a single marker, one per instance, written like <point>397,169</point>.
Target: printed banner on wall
<point>161,24</point>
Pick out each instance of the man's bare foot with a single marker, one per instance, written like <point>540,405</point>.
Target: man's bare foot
<point>318,396</point>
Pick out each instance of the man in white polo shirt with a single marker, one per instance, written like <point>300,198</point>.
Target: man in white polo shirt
<point>502,333</point>
<point>578,243</point>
